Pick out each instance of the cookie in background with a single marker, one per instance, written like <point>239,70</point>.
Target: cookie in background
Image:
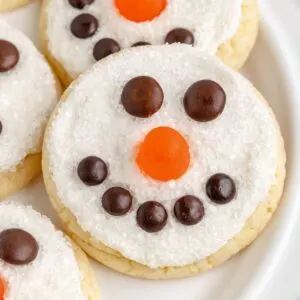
<point>8,5</point>
<point>29,92</point>
<point>39,262</point>
<point>77,33</point>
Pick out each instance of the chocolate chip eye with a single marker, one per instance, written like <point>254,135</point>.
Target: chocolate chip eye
<point>138,44</point>
<point>189,210</point>
<point>104,48</point>
<point>221,188</point>
<point>204,101</point>
<point>84,26</point>
<point>92,170</point>
<point>17,247</point>
<point>142,97</point>
<point>9,56</point>
<point>80,4</point>
<point>152,216</point>
<point>180,35</point>
<point>117,201</point>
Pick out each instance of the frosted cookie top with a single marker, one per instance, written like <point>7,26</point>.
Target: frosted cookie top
<point>27,97</point>
<point>93,29</point>
<point>36,261</point>
<point>162,153</point>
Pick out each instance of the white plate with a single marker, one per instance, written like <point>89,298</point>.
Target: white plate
<point>245,276</point>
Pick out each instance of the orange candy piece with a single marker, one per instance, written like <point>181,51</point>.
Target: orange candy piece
<point>164,154</point>
<point>2,288</point>
<point>140,10</point>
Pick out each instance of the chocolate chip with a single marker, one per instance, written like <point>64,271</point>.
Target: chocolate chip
<point>104,48</point>
<point>1,127</point>
<point>220,188</point>
<point>204,101</point>
<point>92,170</point>
<point>152,216</point>
<point>9,56</point>
<point>189,210</point>
<point>142,97</point>
<point>18,247</point>
<point>80,4</point>
<point>138,44</point>
<point>117,201</point>
<point>84,26</point>
<point>180,35</point>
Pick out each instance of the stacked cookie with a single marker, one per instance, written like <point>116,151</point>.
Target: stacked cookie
<point>160,159</point>
<point>77,33</point>
<point>35,259</point>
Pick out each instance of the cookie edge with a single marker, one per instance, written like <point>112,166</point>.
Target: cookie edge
<point>6,6</point>
<point>89,284</point>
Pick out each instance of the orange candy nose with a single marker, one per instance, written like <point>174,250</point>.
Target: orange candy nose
<point>164,154</point>
<point>2,288</point>
<point>140,10</point>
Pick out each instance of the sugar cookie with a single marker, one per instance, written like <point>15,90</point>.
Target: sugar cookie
<point>76,33</point>
<point>162,162</point>
<point>38,262</point>
<point>8,5</point>
<point>28,94</point>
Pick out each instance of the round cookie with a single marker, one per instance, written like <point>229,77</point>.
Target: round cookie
<point>39,262</point>
<point>28,94</point>
<point>164,169</point>
<point>8,5</point>
<point>93,29</point>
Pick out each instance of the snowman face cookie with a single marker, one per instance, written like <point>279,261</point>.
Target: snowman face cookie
<point>162,154</point>
<point>28,94</point>
<point>77,33</point>
<point>36,261</point>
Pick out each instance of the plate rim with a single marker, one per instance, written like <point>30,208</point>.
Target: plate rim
<point>263,274</point>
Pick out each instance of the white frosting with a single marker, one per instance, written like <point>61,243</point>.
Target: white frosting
<point>211,21</point>
<point>54,274</point>
<point>242,143</point>
<point>27,97</point>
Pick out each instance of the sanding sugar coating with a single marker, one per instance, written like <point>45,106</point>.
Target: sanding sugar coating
<point>212,22</point>
<point>27,97</point>
<point>54,273</point>
<point>242,143</point>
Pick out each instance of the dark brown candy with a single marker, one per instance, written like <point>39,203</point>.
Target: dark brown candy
<point>9,56</point>
<point>204,101</point>
<point>17,247</point>
<point>189,210</point>
<point>117,201</point>
<point>84,26</point>
<point>138,44</point>
<point>1,127</point>
<point>152,216</point>
<point>104,48</point>
<point>80,4</point>
<point>142,97</point>
<point>221,188</point>
<point>92,170</point>
<point>180,35</point>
